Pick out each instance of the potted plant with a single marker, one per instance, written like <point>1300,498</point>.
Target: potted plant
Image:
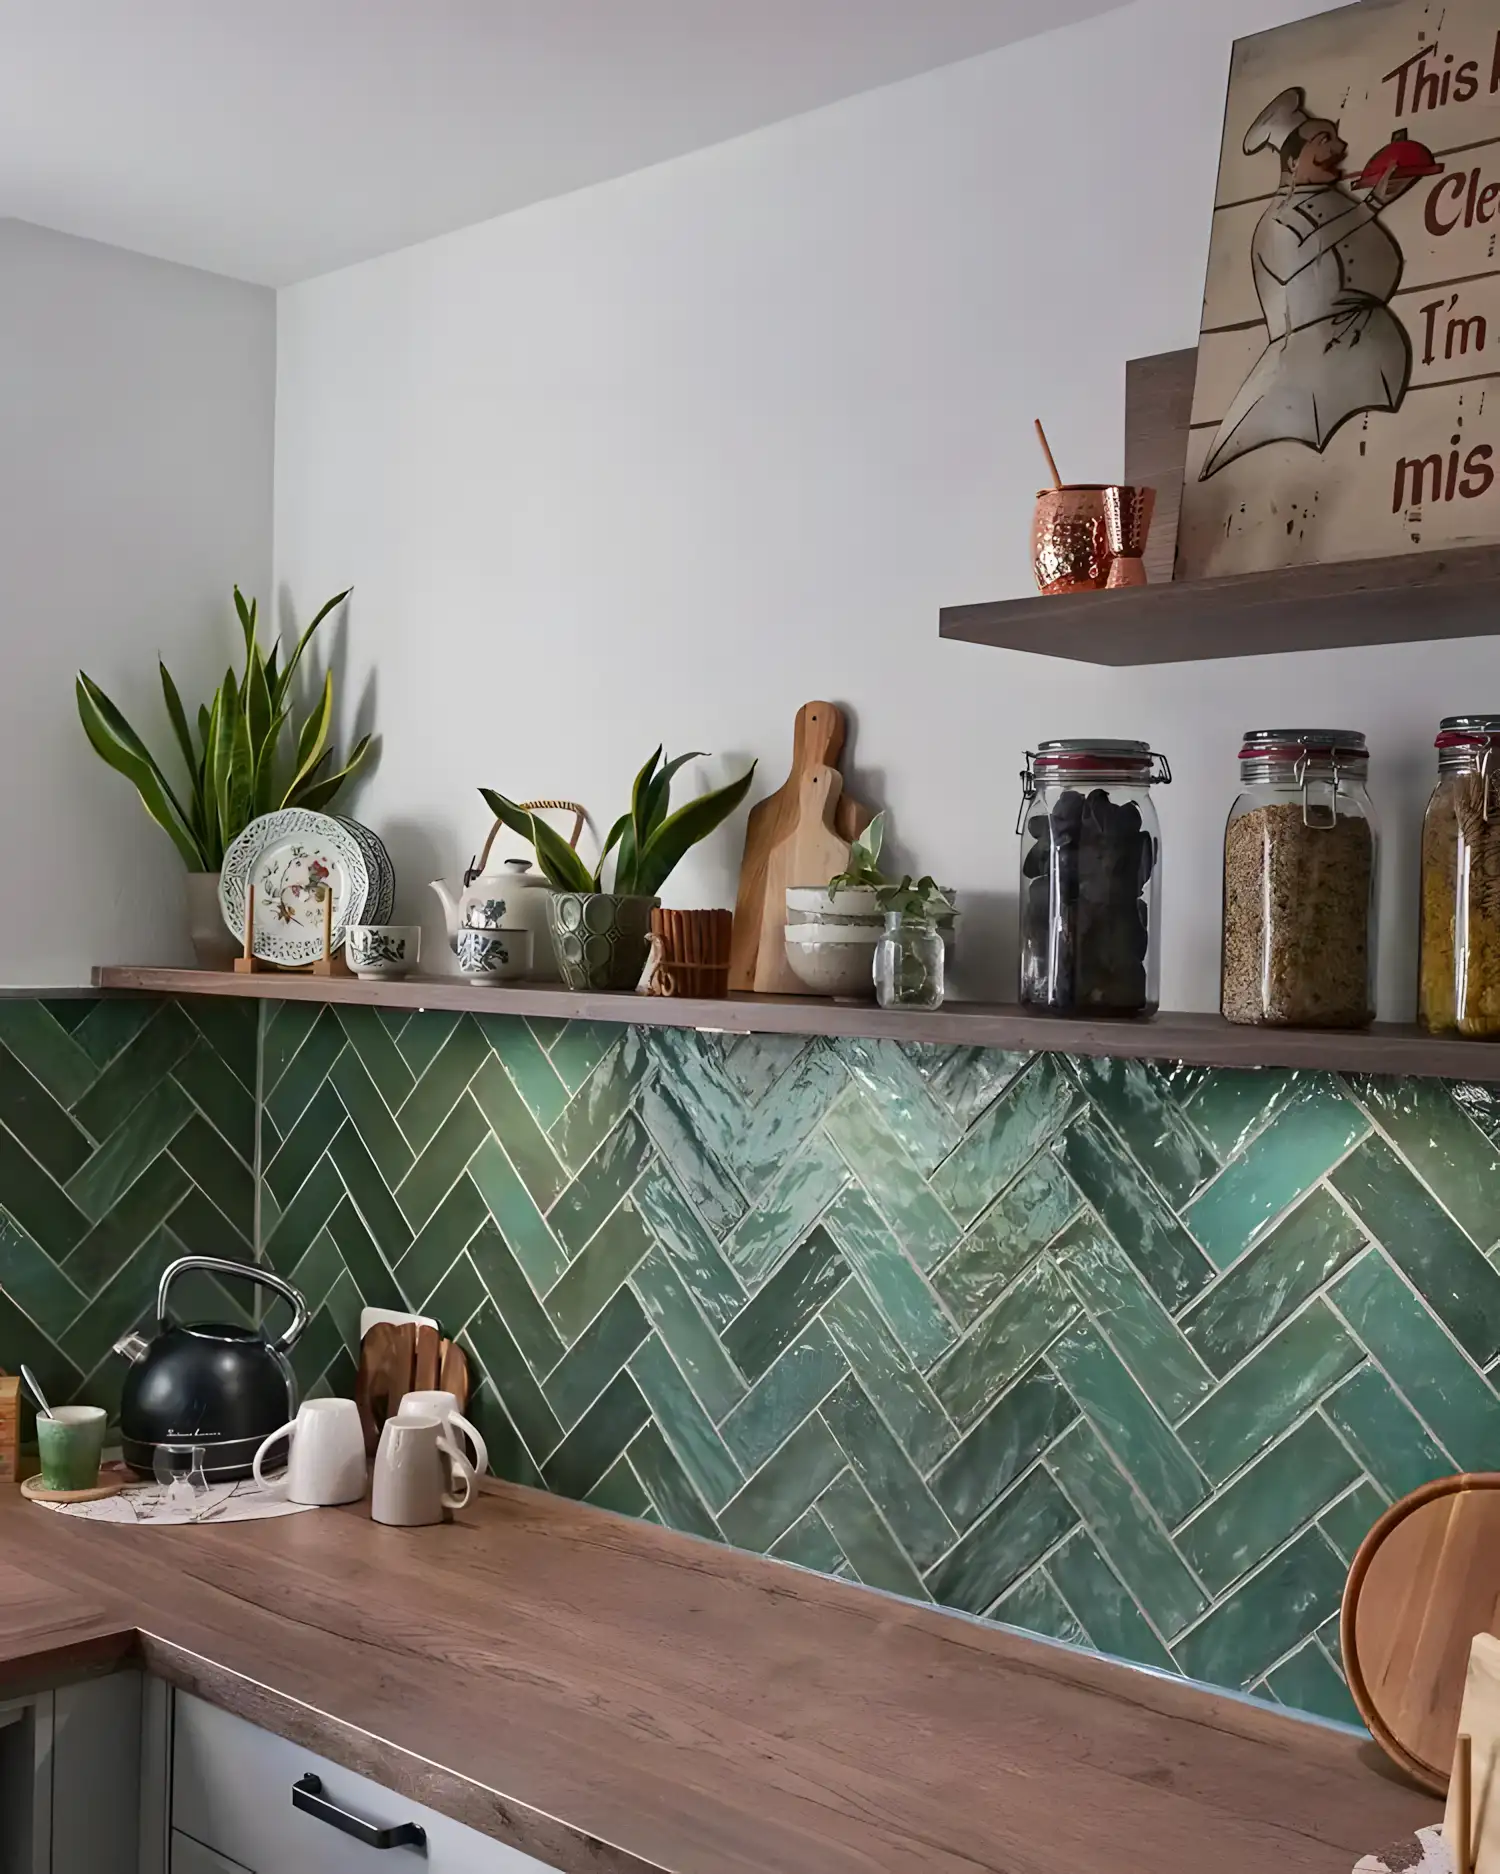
<point>909,958</point>
<point>234,767</point>
<point>602,936</point>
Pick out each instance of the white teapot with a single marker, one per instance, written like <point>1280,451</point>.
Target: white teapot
<point>511,896</point>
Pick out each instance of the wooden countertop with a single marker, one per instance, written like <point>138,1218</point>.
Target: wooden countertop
<point>607,1695</point>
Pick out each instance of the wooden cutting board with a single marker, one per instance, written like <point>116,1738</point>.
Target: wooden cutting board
<point>1479,1721</point>
<point>800,835</point>
<point>1425,1581</point>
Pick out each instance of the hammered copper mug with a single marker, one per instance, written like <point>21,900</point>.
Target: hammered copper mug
<point>1069,539</point>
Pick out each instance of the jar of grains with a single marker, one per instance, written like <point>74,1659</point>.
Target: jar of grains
<point>1090,878</point>
<point>1459,986</point>
<point>1299,882</point>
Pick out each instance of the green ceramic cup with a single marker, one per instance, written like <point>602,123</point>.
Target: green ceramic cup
<point>70,1445</point>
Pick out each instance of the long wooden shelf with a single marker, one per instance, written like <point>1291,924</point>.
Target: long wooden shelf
<point>1404,599</point>
<point>1203,1040</point>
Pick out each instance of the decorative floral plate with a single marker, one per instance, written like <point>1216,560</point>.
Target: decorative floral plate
<point>295,859</point>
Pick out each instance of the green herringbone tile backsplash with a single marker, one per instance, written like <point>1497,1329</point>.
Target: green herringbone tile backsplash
<point>1126,1354</point>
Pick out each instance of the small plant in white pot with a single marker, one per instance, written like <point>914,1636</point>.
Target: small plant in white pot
<point>832,929</point>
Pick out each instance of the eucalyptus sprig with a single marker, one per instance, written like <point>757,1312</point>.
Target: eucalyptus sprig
<point>647,841</point>
<point>235,769</point>
<point>924,898</point>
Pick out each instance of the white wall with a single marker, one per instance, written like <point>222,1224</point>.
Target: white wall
<point>136,411</point>
<point>666,458</point>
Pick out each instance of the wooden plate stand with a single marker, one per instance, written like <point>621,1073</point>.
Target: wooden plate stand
<point>329,964</point>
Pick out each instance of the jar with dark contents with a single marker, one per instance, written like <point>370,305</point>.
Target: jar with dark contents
<point>1091,878</point>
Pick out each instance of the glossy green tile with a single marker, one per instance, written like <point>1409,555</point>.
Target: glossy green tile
<point>421,1037</point>
<point>40,1043</point>
<point>509,1457</point>
<point>890,1180</point>
<point>1276,1496</point>
<point>599,1353</point>
<point>1310,1135</point>
<point>714,1195</point>
<point>888,1475</point>
<point>965,1080</point>
<point>1036,1606</point>
<point>1137,1327</point>
<point>811,1544</point>
<point>671,1310</point>
<point>109,1026</point>
<point>784,1487</point>
<point>1384,1434</point>
<point>668,1485</point>
<point>438,1087</point>
<point>790,1388</point>
<point>910,1309</point>
<point>43,1210</point>
<point>1230,1320</point>
<point>134,1144</point>
<point>598,1188</point>
<point>619,1489</point>
<point>756,1062</point>
<point>1102,1605</point>
<point>1309,1681</point>
<point>925,1127</point>
<point>1121,1523</point>
<point>997,1550</point>
<point>710,1105</point>
<point>603,1100</point>
<point>768,1134</point>
<point>1133,1212</point>
<point>780,1309</point>
<point>539,1341</point>
<point>1022,1324</point>
<point>1455,1402</point>
<point>578,1050</point>
<point>135,1071</point>
<point>683,1423</point>
<point>1265,1617</point>
<point>287,1026</point>
<point>1014,1230</point>
<point>1451,1275</point>
<point>1006,1138</point>
<point>319,1345</point>
<point>1127,1422</point>
<point>200,1227</point>
<point>304,1073</point>
<point>364,1261</point>
<point>523,1398</point>
<point>454,1299</point>
<point>383,1063</point>
<point>1271,1390</point>
<point>34,1282</point>
<point>785,1210</point>
<point>30,1113</point>
<point>901,1394</point>
<point>217,1170</point>
<point>516,1216</point>
<point>871,1548</point>
<point>440,1163</point>
<point>378,1209</point>
<point>1231,1105</point>
<point>509,1118</point>
<point>526,1061</point>
<point>154,1197</point>
<point>459,1216</point>
<point>1347,1522</point>
<point>1011,1435</point>
<point>231,1029</point>
<point>127,1300</point>
<point>1157,1136</point>
<point>695,1255</point>
<point>598,1438</point>
<point>1442,1145</point>
<point>371,1117</point>
<point>220,1095</point>
<point>614,1252</point>
<point>24,1340</point>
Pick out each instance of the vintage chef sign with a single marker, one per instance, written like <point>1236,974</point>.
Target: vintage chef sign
<point>1348,388</point>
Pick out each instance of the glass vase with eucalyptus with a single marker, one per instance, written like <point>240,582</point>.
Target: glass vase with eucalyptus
<point>909,962</point>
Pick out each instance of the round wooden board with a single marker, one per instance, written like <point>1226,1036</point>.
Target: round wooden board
<point>33,1489</point>
<point>1425,1581</point>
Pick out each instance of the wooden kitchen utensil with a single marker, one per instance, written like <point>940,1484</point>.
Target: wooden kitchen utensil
<point>1479,1737</point>
<point>795,837</point>
<point>387,1360</point>
<point>1425,1581</point>
<point>453,1374</point>
<point>10,1429</point>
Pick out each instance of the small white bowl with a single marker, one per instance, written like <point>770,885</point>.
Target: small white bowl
<point>494,956</point>
<point>374,951</point>
<point>842,969</point>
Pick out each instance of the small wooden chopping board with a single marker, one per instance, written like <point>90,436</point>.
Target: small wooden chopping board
<point>800,835</point>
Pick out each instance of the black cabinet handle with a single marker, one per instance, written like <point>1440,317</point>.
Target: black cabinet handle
<point>307,1795</point>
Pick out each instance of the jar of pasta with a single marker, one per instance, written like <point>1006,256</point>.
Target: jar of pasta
<point>1459,987</point>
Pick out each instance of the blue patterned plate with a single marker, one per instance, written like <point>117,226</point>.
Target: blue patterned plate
<point>295,859</point>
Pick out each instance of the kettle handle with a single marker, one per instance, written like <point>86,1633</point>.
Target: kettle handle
<point>246,1273</point>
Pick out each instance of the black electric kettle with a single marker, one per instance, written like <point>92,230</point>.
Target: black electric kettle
<point>225,1389</point>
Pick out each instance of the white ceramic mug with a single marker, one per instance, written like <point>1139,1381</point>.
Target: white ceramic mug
<point>443,1406</point>
<point>415,1459</point>
<point>326,1461</point>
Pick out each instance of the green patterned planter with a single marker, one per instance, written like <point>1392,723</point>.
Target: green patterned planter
<point>601,939</point>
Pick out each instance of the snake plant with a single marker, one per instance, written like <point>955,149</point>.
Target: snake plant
<point>235,768</point>
<point>647,841</point>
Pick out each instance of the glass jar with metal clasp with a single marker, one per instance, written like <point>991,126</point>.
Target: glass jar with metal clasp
<point>1091,878</point>
<point>1300,858</point>
<point>1459,974</point>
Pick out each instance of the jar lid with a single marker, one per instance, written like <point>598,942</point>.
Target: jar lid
<point>1097,755</point>
<point>1294,744</point>
<point>1467,731</point>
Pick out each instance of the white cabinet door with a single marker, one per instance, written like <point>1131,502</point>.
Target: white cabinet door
<point>232,1789</point>
<point>191,1857</point>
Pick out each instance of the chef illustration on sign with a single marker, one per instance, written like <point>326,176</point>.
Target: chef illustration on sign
<point>1325,269</point>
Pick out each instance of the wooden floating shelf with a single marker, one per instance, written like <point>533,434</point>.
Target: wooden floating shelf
<point>1202,1040</point>
<point>1406,598</point>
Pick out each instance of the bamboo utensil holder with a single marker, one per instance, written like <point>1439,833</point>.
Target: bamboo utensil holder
<point>690,952</point>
